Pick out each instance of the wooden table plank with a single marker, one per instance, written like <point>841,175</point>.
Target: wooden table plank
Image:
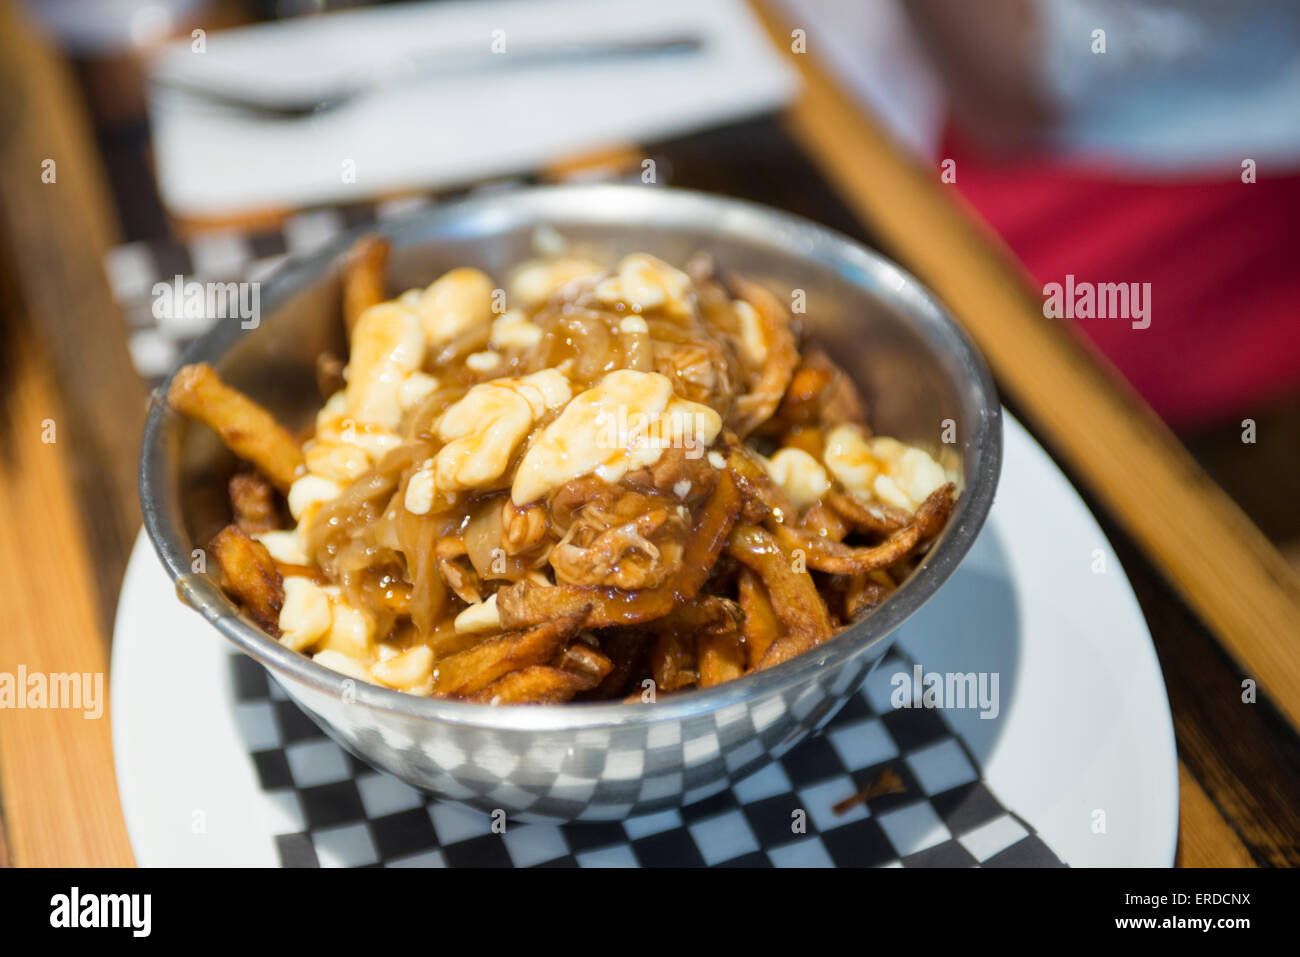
<point>1217,559</point>
<point>67,507</point>
<point>56,766</point>
<point>1205,839</point>
<point>53,237</point>
<point>1245,756</point>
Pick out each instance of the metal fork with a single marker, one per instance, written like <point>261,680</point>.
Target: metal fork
<point>298,107</point>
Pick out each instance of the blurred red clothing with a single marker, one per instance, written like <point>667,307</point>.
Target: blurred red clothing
<point>1220,255</point>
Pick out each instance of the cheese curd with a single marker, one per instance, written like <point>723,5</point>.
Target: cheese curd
<point>305,615</point>
<point>483,361</point>
<point>535,282</point>
<point>420,490</point>
<point>456,308</point>
<point>800,475</point>
<point>283,546</point>
<point>624,422</point>
<point>513,330</point>
<point>753,343</point>
<point>309,493</point>
<point>483,616</point>
<point>882,468</point>
<point>336,661</point>
<point>644,282</point>
<point>351,630</point>
<point>387,346</point>
<point>343,447</point>
<point>410,670</point>
<point>416,387</point>
<point>337,461</point>
<point>358,425</point>
<point>483,430</point>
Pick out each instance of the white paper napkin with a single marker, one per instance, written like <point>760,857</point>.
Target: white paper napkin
<point>438,131</point>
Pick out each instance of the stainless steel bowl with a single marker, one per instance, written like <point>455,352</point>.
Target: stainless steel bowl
<point>591,760</point>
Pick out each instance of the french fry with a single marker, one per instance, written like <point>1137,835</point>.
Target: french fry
<point>720,657</point>
<point>839,559</point>
<point>527,603</point>
<point>672,661</point>
<point>252,500</point>
<point>933,513</point>
<point>363,278</point>
<point>704,614</point>
<point>536,684</point>
<point>795,598</point>
<point>842,402</point>
<point>801,404</point>
<point>757,406</point>
<point>627,649</point>
<point>249,574</point>
<point>761,626</point>
<point>446,641</point>
<point>585,661</point>
<point>707,622</point>
<point>824,522</point>
<point>763,498</point>
<point>246,428</point>
<point>874,517</point>
<point>864,592</point>
<point>472,670</point>
<point>806,438</point>
<point>821,394</point>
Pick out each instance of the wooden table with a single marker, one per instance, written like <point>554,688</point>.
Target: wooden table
<point>1221,603</point>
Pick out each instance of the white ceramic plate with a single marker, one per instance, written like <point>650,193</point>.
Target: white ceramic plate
<point>1082,747</point>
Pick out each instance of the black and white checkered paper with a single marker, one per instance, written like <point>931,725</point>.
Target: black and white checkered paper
<point>335,811</point>
<point>157,341</point>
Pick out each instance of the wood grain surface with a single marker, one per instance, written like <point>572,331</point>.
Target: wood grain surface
<point>68,506</point>
<point>56,766</point>
<point>53,237</point>
<point>1211,842</point>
